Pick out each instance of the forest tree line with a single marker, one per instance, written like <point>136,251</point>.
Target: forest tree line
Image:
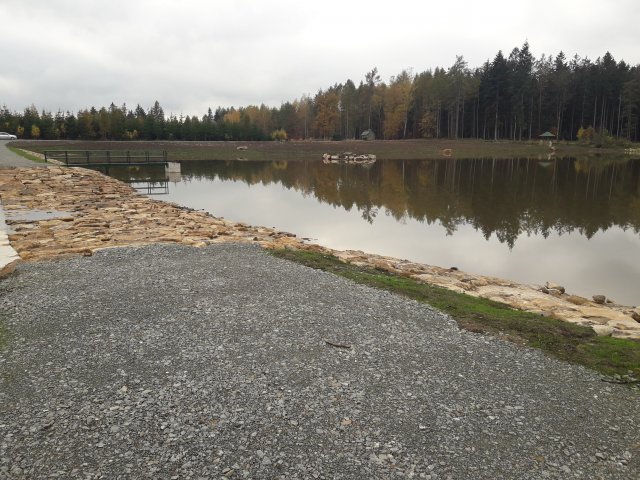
<point>514,97</point>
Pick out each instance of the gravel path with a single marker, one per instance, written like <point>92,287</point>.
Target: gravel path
<point>10,159</point>
<point>175,362</point>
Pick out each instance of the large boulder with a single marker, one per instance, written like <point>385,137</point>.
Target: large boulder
<point>599,299</point>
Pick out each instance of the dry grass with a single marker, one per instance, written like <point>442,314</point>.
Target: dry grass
<point>313,150</point>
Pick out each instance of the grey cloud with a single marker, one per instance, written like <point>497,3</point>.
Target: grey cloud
<point>194,54</point>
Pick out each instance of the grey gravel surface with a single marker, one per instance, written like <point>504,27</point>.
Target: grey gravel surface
<point>10,159</point>
<point>176,362</point>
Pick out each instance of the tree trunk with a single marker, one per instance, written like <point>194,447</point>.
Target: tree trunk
<point>495,128</point>
<point>457,114</point>
<point>406,120</point>
<point>571,127</point>
<point>602,116</point>
<point>540,111</point>
<point>478,116</point>
<point>619,116</point>
<point>530,117</point>
<point>462,124</point>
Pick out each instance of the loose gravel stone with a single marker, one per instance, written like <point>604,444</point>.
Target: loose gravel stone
<point>175,362</point>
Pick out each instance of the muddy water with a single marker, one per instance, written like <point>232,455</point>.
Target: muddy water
<point>571,221</point>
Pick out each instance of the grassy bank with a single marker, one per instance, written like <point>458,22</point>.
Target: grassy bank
<point>26,155</point>
<point>566,341</point>
<point>313,150</point>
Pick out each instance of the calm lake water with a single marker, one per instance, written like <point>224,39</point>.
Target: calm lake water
<point>572,221</point>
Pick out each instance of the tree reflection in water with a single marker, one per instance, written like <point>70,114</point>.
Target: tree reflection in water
<point>505,197</point>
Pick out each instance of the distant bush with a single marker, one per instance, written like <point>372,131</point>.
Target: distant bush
<point>585,135</point>
<point>279,135</point>
<point>601,139</point>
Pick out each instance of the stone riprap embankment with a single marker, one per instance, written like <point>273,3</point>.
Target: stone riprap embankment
<point>167,361</point>
<point>60,211</point>
<point>607,319</point>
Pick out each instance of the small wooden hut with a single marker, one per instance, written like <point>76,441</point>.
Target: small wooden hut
<point>547,137</point>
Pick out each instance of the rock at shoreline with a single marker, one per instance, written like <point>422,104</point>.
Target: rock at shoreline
<point>349,157</point>
<point>555,286</point>
<point>599,299</point>
<point>577,300</point>
<point>602,330</point>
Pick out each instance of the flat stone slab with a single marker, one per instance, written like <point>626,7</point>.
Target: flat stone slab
<point>7,254</point>
<point>36,215</point>
<point>32,216</point>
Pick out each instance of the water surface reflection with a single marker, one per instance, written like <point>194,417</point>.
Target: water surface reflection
<point>574,221</point>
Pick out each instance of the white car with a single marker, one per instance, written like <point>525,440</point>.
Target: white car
<point>7,136</point>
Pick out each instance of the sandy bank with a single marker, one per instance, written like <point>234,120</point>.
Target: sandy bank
<point>59,211</point>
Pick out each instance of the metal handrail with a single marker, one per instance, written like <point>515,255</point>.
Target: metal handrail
<point>106,157</point>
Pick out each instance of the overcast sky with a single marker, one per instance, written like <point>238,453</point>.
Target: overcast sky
<point>192,54</point>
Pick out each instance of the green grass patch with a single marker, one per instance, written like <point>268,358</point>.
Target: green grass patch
<point>26,155</point>
<point>569,342</point>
